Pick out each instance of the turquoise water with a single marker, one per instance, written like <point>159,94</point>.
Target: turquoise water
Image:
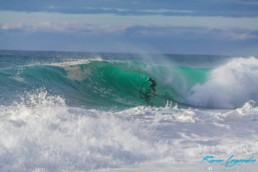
<point>97,82</point>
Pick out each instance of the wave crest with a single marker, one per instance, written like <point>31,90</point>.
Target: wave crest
<point>229,85</point>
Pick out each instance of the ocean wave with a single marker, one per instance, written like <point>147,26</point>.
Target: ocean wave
<point>120,83</point>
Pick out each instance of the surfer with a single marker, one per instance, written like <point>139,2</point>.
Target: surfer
<point>153,84</point>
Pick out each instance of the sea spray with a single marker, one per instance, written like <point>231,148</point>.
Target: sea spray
<point>41,132</point>
<point>229,85</point>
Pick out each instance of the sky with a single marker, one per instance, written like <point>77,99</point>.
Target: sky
<point>220,27</point>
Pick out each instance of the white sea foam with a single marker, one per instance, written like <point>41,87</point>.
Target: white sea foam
<point>229,85</point>
<point>41,133</point>
<point>74,70</point>
<point>76,62</point>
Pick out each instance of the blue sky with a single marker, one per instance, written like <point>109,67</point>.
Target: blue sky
<point>159,26</point>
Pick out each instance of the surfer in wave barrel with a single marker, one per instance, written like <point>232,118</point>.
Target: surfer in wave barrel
<point>153,84</point>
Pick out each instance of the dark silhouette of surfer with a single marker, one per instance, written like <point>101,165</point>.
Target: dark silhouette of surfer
<point>153,84</point>
<point>146,94</point>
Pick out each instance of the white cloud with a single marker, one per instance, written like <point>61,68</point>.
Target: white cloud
<point>241,36</point>
<point>246,2</point>
<point>95,23</point>
<point>62,27</point>
<point>8,26</point>
<point>162,11</point>
<point>60,20</point>
<point>144,11</point>
<point>235,34</point>
<point>44,26</point>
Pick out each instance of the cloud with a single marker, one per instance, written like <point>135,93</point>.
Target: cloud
<point>63,27</point>
<point>8,26</point>
<point>43,26</point>
<point>245,2</point>
<point>230,8</point>
<point>184,26</point>
<point>229,34</point>
<point>183,40</point>
<point>235,34</point>
<point>135,29</point>
<point>240,35</point>
<point>61,22</point>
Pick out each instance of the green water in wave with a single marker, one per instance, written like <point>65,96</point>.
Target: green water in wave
<point>121,83</point>
<point>97,84</point>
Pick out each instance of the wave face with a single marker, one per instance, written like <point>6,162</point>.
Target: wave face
<point>113,83</point>
<point>103,83</point>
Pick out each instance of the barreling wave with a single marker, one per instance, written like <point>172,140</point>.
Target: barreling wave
<point>103,83</point>
<point>107,83</point>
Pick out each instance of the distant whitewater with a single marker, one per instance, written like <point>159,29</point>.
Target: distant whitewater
<point>84,111</point>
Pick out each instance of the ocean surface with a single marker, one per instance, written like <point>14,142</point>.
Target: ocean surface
<point>67,111</point>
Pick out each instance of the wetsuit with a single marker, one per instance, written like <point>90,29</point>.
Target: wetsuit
<point>153,84</point>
